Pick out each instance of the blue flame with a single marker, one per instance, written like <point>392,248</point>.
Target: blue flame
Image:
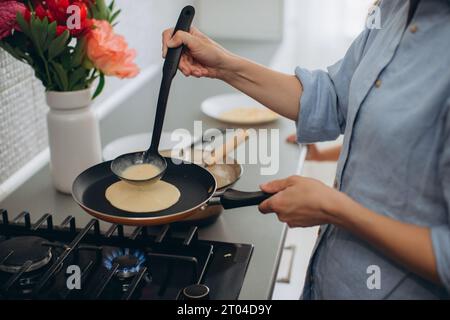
<point>109,259</point>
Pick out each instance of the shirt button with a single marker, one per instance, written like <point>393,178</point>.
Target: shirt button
<point>413,28</point>
<point>378,83</point>
<point>335,183</point>
<point>319,232</point>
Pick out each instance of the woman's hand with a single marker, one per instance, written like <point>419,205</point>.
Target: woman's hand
<point>304,202</point>
<point>203,57</point>
<point>299,202</point>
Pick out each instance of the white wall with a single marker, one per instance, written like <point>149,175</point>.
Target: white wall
<point>142,22</point>
<point>22,116</point>
<point>324,29</point>
<point>238,19</point>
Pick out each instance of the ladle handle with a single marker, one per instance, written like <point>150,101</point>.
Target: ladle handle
<point>169,71</point>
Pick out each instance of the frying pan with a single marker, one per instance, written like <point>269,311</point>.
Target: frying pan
<point>226,177</point>
<point>196,184</point>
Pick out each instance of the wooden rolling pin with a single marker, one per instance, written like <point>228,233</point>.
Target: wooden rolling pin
<point>219,154</point>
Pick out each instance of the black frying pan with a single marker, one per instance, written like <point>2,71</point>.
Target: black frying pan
<point>196,184</point>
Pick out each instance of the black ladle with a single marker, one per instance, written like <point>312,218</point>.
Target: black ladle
<point>152,156</point>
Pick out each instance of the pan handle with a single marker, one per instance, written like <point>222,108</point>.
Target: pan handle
<point>236,199</point>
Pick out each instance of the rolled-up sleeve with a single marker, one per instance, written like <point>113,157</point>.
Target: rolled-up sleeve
<point>440,235</point>
<point>324,100</point>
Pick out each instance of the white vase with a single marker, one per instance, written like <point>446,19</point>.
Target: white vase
<point>73,136</point>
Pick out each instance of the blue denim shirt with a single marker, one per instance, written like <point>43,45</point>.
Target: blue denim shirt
<point>390,97</point>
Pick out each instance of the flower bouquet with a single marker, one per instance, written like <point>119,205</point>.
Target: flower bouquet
<point>70,44</point>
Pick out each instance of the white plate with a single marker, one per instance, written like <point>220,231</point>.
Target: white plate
<point>214,107</point>
<point>140,142</point>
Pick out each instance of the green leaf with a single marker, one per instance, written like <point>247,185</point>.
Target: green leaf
<point>100,10</point>
<point>34,30</point>
<point>41,76</point>
<point>114,16</point>
<point>77,76</point>
<point>7,47</point>
<point>23,24</point>
<point>80,86</point>
<point>61,76</point>
<point>24,57</point>
<point>19,40</point>
<point>51,35</point>
<point>79,52</point>
<point>58,45</point>
<point>112,5</point>
<point>66,59</point>
<point>43,33</point>
<point>100,86</point>
<point>87,64</point>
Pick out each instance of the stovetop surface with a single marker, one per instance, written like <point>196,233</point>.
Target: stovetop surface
<point>43,261</point>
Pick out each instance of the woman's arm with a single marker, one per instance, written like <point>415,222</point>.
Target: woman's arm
<point>277,91</point>
<point>408,244</point>
<point>315,154</point>
<point>205,58</point>
<point>327,154</point>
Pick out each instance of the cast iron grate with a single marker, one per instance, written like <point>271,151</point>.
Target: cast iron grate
<point>146,263</point>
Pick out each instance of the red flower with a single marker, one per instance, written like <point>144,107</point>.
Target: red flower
<point>85,23</point>
<point>8,13</point>
<point>88,2</point>
<point>41,13</point>
<point>60,11</point>
<point>27,15</point>
<point>60,30</point>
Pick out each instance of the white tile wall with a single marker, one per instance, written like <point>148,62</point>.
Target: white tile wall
<point>22,116</point>
<point>22,106</point>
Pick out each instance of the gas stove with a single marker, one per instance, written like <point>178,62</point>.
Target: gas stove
<point>43,261</point>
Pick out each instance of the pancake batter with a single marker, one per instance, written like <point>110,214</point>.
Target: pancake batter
<point>154,197</point>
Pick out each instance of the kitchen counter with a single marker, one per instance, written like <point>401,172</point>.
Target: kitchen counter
<point>245,225</point>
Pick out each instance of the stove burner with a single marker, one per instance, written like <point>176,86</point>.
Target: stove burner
<point>15,252</point>
<point>130,262</point>
<point>196,292</point>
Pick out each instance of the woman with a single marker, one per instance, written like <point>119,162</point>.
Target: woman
<point>388,216</point>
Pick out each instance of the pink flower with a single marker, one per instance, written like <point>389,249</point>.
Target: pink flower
<point>8,13</point>
<point>109,52</point>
